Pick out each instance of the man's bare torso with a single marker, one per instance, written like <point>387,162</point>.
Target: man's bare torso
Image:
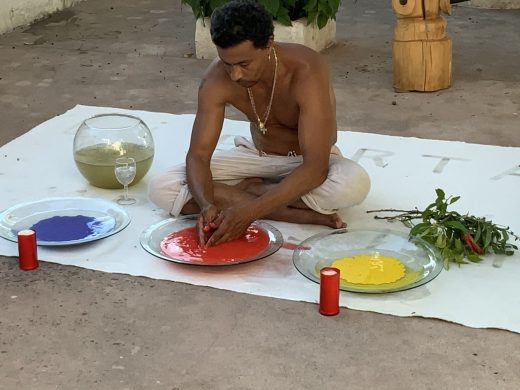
<point>281,137</point>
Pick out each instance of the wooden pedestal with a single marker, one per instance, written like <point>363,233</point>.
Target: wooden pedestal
<point>422,65</point>
<point>421,47</point>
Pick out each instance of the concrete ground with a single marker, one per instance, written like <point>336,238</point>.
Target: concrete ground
<point>63,327</point>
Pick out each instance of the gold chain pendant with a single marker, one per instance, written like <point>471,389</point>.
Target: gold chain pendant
<point>261,125</point>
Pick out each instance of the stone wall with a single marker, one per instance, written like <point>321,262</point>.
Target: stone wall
<point>15,13</point>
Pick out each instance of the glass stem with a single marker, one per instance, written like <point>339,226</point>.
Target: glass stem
<point>126,192</point>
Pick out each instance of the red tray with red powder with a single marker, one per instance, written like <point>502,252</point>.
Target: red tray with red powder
<point>176,240</point>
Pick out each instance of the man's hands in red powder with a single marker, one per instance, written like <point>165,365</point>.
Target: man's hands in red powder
<point>206,223</point>
<point>216,226</point>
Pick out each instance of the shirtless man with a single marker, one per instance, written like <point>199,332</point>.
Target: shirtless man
<point>291,171</point>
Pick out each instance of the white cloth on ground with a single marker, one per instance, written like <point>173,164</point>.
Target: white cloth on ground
<point>404,173</point>
<point>347,183</point>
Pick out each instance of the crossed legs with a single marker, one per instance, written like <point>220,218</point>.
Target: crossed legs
<point>248,189</point>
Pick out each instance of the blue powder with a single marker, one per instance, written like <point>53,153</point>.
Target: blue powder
<point>70,228</point>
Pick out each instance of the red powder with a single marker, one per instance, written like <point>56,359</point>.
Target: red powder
<point>184,245</point>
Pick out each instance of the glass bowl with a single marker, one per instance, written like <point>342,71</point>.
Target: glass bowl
<point>422,260</point>
<point>100,140</point>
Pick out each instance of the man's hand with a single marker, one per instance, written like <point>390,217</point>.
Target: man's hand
<point>207,223</point>
<point>232,224</point>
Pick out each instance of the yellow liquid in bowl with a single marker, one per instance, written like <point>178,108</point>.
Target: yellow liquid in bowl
<point>370,269</point>
<point>96,163</point>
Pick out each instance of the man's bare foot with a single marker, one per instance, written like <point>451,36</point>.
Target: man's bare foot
<point>337,221</point>
<point>306,216</point>
<point>331,220</point>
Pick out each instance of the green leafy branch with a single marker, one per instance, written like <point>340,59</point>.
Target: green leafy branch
<point>458,237</point>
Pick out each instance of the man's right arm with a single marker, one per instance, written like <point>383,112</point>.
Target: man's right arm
<point>204,137</point>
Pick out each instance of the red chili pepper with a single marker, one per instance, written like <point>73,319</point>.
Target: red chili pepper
<point>470,241</point>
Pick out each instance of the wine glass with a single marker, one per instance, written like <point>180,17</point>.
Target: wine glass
<point>125,173</point>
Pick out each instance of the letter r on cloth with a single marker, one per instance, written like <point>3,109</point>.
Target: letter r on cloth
<point>373,154</point>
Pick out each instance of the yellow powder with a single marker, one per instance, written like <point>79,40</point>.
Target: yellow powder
<point>370,269</point>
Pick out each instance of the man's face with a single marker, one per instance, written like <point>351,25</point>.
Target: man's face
<point>244,63</point>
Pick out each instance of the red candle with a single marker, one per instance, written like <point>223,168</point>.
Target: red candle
<point>27,254</point>
<point>329,291</point>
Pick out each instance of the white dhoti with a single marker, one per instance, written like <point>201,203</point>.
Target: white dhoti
<point>347,183</point>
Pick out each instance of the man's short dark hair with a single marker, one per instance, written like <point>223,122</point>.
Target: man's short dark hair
<point>239,21</point>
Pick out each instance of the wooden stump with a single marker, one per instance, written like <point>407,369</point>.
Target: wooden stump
<point>421,47</point>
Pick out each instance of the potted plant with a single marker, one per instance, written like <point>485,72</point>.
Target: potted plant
<point>309,22</point>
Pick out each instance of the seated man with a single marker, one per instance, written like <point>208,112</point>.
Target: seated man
<point>290,170</point>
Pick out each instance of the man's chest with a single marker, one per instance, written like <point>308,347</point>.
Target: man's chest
<point>281,109</point>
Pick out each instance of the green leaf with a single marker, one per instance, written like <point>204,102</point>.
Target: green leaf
<point>322,19</point>
<point>487,239</point>
<point>454,199</point>
<point>458,244</point>
<point>311,18</point>
<point>419,228</point>
<point>408,224</point>
<point>456,225</point>
<point>283,17</point>
<point>473,257</point>
<point>271,5</point>
<point>479,232</point>
<point>442,207</point>
<point>311,6</point>
<point>505,237</point>
<point>324,8</point>
<point>458,254</point>
<point>441,241</point>
<point>426,215</point>
<point>440,194</point>
<point>334,6</point>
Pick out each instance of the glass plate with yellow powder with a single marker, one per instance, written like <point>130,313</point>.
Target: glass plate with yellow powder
<point>370,261</point>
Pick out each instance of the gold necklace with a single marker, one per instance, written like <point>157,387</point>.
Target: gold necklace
<point>261,124</point>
